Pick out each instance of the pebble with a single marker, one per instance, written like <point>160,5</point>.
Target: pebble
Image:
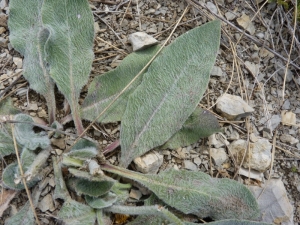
<point>216,71</point>
<point>18,61</point>
<point>230,16</point>
<point>218,155</point>
<point>3,42</point>
<point>212,7</point>
<point>288,118</point>
<point>286,138</point>
<point>259,157</point>
<point>46,204</point>
<point>187,164</point>
<point>135,194</point>
<point>197,161</point>
<point>245,22</point>
<point>149,163</point>
<point>233,107</point>
<point>141,40</point>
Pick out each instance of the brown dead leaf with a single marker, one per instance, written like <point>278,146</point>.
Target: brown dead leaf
<point>5,197</point>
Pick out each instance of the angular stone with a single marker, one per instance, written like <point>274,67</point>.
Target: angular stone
<point>233,107</point>
<point>253,174</point>
<point>46,204</point>
<point>219,155</point>
<point>273,202</point>
<point>149,163</point>
<point>135,194</point>
<point>218,140</point>
<point>216,71</point>
<point>245,22</point>
<point>230,16</point>
<point>140,40</point>
<point>18,61</point>
<point>287,138</point>
<point>288,118</point>
<point>258,157</point>
<point>190,165</point>
<point>212,7</point>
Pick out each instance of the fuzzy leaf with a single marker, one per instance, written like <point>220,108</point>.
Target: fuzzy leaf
<point>69,47</point>
<point>90,185</point>
<point>7,107</point>
<point>61,190</point>
<point>75,213</point>
<point>6,141</point>
<point>71,162</point>
<point>23,217</point>
<point>169,92</point>
<point>237,222</point>
<point>197,193</point>
<point>28,37</point>
<point>106,87</point>
<point>26,136</point>
<point>101,202</point>
<point>83,149</point>
<point>8,178</point>
<point>92,188</point>
<point>200,124</point>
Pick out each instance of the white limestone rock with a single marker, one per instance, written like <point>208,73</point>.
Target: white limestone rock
<point>233,107</point>
<point>258,157</point>
<point>149,163</point>
<point>141,40</point>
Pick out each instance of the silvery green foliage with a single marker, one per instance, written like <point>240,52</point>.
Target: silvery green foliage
<point>170,91</point>
<point>72,162</point>
<point>25,135</point>
<point>94,186</point>
<point>197,193</point>
<point>121,190</point>
<point>7,107</point>
<point>83,149</point>
<point>201,123</point>
<point>103,218</point>
<point>69,47</point>
<point>75,213</point>
<point>27,37</point>
<point>6,141</point>
<point>237,222</point>
<point>60,190</point>
<point>101,202</point>
<point>12,172</point>
<point>24,216</point>
<point>106,87</point>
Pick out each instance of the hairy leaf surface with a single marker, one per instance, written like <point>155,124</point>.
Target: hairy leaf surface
<point>197,193</point>
<point>106,87</point>
<point>69,47</point>
<point>6,141</point>
<point>169,92</point>
<point>28,37</point>
<point>237,222</point>
<point>201,123</point>
<point>23,217</point>
<point>83,149</point>
<point>101,202</point>
<point>75,213</point>
<point>26,136</point>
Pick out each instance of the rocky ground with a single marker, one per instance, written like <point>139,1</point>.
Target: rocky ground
<point>253,90</point>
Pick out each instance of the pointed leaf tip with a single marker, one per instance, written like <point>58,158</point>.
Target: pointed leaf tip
<point>170,91</point>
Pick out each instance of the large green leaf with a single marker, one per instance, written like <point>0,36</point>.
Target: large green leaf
<point>201,123</point>
<point>169,92</point>
<point>106,87</point>
<point>28,37</point>
<point>101,202</point>
<point>26,136</point>
<point>237,222</point>
<point>24,217</point>
<point>69,47</point>
<point>197,193</point>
